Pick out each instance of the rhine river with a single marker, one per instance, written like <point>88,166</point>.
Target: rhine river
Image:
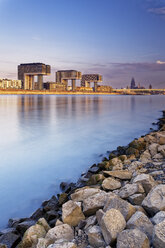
<point>45,140</point>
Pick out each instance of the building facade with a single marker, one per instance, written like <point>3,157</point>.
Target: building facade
<point>10,84</point>
<point>27,72</point>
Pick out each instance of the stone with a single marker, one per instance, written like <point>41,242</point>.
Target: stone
<point>112,224</point>
<point>51,204</point>
<point>64,232</point>
<point>153,149</point>
<point>132,151</point>
<point>32,234</point>
<point>158,156</point>
<point>42,243</point>
<point>10,239</point>
<point>140,221</point>
<point>124,207</point>
<point>51,215</point>
<point>8,230</point>
<point>63,197</point>
<point>150,139</point>
<point>136,199</point>
<point>159,235</point>
<point>95,237</point>
<point>59,222</point>
<point>121,174</point>
<point>37,214</point>
<point>145,156</point>
<point>110,184</point>
<point>146,180</point>
<point>155,200</point>
<point>132,239</point>
<point>99,215</point>
<point>72,213</point>
<point>161,149</point>
<point>90,221</point>
<point>43,223</point>
<point>116,164</point>
<point>130,189</point>
<point>160,139</point>
<point>3,246</point>
<point>83,193</point>
<point>63,244</point>
<point>159,217</point>
<point>94,202</point>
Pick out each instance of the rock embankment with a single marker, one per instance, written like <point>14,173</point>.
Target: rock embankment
<point>119,202</point>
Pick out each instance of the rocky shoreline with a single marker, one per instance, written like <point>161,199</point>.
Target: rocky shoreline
<point>119,202</point>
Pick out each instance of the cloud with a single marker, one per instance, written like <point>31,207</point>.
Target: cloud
<point>157,11</point>
<point>160,62</point>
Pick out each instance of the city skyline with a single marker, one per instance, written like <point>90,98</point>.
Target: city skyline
<point>118,39</point>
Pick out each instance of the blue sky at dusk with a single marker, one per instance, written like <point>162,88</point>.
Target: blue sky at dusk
<point>116,38</point>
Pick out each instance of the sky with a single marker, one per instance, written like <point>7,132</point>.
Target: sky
<point>118,39</point>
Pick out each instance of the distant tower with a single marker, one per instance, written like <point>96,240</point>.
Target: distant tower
<point>133,84</point>
<point>150,86</point>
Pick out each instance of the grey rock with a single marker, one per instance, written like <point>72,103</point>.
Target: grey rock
<point>136,199</point>
<point>123,206</point>
<point>64,232</point>
<point>146,180</point>
<point>112,224</point>
<point>159,235</point>
<point>111,184</point>
<point>83,193</point>
<point>95,237</point>
<point>155,200</point>
<point>72,213</point>
<point>132,239</point>
<point>10,239</point>
<point>130,189</point>
<point>94,202</point>
<point>121,174</point>
<point>140,221</point>
<point>159,217</point>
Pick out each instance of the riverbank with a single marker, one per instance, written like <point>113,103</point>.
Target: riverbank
<point>118,200</point>
<point>47,92</point>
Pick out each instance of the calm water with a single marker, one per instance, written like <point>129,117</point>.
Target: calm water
<point>48,139</point>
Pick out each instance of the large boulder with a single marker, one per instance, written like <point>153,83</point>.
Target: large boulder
<point>140,221</point>
<point>10,239</point>
<point>132,239</point>
<point>112,224</point>
<point>130,189</point>
<point>64,232</point>
<point>31,236</point>
<point>83,193</point>
<point>146,180</point>
<point>145,156</point>
<point>95,237</point>
<point>72,213</point>
<point>111,184</point>
<point>124,207</point>
<point>153,149</point>
<point>160,138</point>
<point>121,174</point>
<point>136,199</point>
<point>23,226</point>
<point>94,202</point>
<point>159,235</point>
<point>159,217</point>
<point>155,200</point>
<point>115,164</point>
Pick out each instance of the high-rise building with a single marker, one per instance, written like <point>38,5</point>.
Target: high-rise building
<point>133,84</point>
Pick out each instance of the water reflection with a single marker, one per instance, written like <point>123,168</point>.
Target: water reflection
<point>48,139</point>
